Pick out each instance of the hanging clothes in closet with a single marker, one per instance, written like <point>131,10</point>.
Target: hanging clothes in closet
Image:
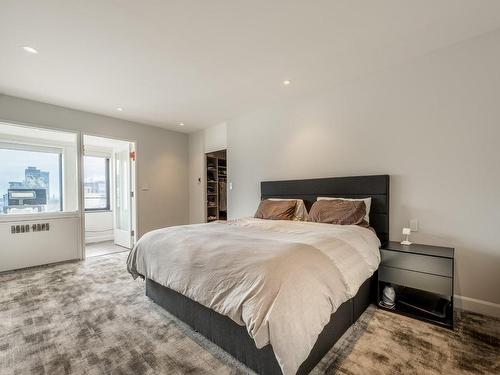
<point>222,196</point>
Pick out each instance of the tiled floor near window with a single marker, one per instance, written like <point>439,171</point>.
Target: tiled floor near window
<point>102,248</point>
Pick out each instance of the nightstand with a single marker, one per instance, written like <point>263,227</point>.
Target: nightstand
<point>422,277</point>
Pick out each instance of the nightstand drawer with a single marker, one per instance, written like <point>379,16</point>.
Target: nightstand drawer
<point>431,283</point>
<point>415,262</point>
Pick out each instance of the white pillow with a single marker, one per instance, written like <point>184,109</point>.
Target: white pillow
<point>300,209</point>
<point>368,203</point>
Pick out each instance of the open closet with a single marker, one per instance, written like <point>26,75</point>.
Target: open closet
<point>216,183</point>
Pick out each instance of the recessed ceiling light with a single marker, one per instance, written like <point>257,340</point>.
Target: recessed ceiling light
<point>181,124</point>
<point>119,109</point>
<point>30,50</point>
<point>286,82</point>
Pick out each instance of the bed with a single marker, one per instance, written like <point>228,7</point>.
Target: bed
<point>240,304</point>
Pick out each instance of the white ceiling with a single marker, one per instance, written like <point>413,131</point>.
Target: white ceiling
<point>203,62</point>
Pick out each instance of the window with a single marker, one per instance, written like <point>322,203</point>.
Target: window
<point>38,170</point>
<point>96,183</point>
<point>30,179</point>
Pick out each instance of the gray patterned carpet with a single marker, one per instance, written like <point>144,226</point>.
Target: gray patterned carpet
<point>92,318</point>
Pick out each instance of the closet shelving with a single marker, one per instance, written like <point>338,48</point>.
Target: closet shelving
<point>216,186</point>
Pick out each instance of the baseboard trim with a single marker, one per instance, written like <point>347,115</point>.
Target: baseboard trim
<point>477,306</point>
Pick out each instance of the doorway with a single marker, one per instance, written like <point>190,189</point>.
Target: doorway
<point>108,195</point>
<point>216,186</point>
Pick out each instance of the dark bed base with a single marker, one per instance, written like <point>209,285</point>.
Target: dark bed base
<point>235,340</point>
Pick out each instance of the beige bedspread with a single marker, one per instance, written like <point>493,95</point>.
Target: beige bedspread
<point>280,279</point>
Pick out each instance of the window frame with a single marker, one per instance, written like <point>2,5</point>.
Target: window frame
<point>108,183</point>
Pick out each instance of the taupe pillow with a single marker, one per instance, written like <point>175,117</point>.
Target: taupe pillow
<point>338,212</point>
<point>276,210</point>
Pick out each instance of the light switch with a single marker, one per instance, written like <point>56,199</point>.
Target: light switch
<point>414,225</point>
<point>230,186</point>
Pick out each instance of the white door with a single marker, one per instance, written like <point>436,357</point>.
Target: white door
<point>124,233</point>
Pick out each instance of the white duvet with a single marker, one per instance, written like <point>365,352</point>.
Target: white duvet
<point>280,279</point>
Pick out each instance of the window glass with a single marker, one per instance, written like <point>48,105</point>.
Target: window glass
<point>30,181</point>
<point>96,183</point>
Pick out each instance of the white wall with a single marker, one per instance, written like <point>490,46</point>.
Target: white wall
<point>215,138</point>
<point>211,139</point>
<point>432,124</point>
<point>21,250</point>
<point>197,177</point>
<point>99,226</point>
<point>162,156</point>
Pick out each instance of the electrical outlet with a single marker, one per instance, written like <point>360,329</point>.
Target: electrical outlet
<point>414,225</point>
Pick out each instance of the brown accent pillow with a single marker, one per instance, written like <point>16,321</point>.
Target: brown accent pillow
<point>276,210</point>
<point>341,212</point>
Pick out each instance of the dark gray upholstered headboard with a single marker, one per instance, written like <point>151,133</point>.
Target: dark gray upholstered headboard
<point>376,187</point>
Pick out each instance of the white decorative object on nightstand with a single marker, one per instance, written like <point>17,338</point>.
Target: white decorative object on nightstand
<point>406,232</point>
